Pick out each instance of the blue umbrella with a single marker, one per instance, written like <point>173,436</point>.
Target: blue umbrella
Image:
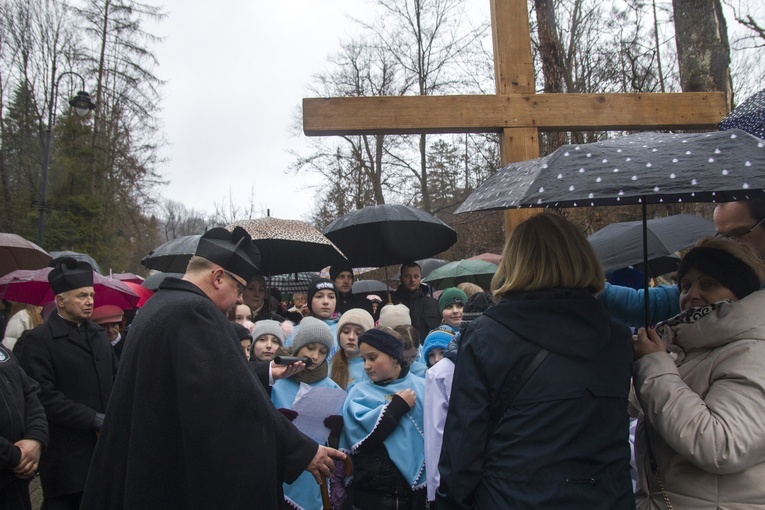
<point>749,116</point>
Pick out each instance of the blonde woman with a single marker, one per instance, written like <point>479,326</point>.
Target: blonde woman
<point>563,440</point>
<point>23,317</point>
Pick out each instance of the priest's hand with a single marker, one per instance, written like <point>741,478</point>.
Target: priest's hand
<point>286,371</point>
<point>323,462</point>
<point>30,457</point>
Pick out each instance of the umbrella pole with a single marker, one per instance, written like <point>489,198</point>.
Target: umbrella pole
<point>387,285</point>
<point>646,297</point>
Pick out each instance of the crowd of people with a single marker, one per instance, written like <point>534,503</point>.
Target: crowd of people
<point>548,391</point>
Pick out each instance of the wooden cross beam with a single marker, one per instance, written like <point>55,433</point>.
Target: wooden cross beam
<point>516,112</point>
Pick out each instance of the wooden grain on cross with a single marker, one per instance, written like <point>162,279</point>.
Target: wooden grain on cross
<point>516,112</point>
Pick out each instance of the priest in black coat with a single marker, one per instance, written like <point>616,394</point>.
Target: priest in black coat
<point>189,425</point>
<point>71,359</point>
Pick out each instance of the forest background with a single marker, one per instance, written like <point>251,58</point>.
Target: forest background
<point>105,180</point>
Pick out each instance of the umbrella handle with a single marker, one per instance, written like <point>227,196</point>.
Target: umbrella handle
<point>326,505</point>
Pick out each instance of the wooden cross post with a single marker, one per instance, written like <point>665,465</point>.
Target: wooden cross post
<point>516,112</point>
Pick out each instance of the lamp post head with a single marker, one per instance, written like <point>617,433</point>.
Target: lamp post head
<point>82,103</point>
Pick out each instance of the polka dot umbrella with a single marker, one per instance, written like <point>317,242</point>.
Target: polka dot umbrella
<point>654,168</point>
<point>642,168</point>
<point>749,116</point>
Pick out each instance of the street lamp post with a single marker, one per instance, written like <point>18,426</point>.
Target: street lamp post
<point>82,104</point>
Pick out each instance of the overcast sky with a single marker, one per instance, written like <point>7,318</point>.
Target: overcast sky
<point>236,72</point>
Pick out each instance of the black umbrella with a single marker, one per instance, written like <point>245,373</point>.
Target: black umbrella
<point>653,168</point>
<point>382,235</point>
<point>660,265</point>
<point>287,246</point>
<point>620,245</point>
<point>367,286</point>
<point>172,256</point>
<point>642,168</point>
<point>84,257</point>
<point>292,282</point>
<point>749,116</point>
<point>153,281</point>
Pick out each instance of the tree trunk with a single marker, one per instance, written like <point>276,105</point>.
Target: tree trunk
<point>702,47</point>
<point>553,62</point>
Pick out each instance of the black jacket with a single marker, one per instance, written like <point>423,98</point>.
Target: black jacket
<point>423,309</point>
<point>189,425</point>
<point>564,441</point>
<point>348,301</point>
<point>75,368</point>
<point>21,414</point>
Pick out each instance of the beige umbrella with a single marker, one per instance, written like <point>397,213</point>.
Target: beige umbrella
<point>18,253</point>
<point>289,246</point>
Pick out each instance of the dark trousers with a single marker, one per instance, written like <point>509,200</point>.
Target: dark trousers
<point>67,502</point>
<point>15,496</point>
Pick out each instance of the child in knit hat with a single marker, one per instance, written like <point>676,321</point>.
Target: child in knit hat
<point>267,336</point>
<point>347,366</point>
<point>435,345</point>
<point>322,298</point>
<point>450,305</point>
<point>383,427</point>
<point>394,315</point>
<point>313,339</point>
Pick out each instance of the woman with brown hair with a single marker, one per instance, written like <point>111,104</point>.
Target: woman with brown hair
<point>538,410</point>
<point>701,438</point>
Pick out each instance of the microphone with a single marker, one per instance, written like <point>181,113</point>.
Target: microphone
<point>289,360</point>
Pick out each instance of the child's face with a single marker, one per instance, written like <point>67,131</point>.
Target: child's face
<point>323,304</point>
<point>435,355</point>
<point>246,345</point>
<point>317,352</point>
<point>410,355</point>
<point>452,315</point>
<point>265,346</point>
<point>378,365</point>
<point>349,339</point>
<point>242,314</point>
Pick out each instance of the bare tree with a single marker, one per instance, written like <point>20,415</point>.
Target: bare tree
<point>702,47</point>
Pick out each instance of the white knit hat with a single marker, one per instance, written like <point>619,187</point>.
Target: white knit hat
<point>357,316</point>
<point>394,315</point>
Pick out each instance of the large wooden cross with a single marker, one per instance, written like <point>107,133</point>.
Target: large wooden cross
<point>516,112</point>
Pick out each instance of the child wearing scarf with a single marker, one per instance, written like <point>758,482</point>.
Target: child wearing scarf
<point>314,339</point>
<point>383,429</point>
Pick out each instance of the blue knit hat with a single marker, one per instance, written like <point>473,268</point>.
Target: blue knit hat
<point>436,339</point>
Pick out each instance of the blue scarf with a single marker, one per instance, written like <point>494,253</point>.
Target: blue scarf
<point>303,493</point>
<point>406,447</point>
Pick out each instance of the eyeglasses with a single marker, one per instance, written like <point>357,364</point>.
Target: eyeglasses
<point>239,287</point>
<point>741,234</point>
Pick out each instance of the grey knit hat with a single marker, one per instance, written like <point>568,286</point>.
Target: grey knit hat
<point>312,331</point>
<point>268,327</point>
<point>394,315</point>
<point>357,316</point>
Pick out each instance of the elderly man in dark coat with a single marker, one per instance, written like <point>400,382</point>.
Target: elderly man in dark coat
<point>189,425</point>
<point>23,433</point>
<point>71,359</point>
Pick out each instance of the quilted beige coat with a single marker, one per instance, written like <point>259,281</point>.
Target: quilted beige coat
<point>705,410</point>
